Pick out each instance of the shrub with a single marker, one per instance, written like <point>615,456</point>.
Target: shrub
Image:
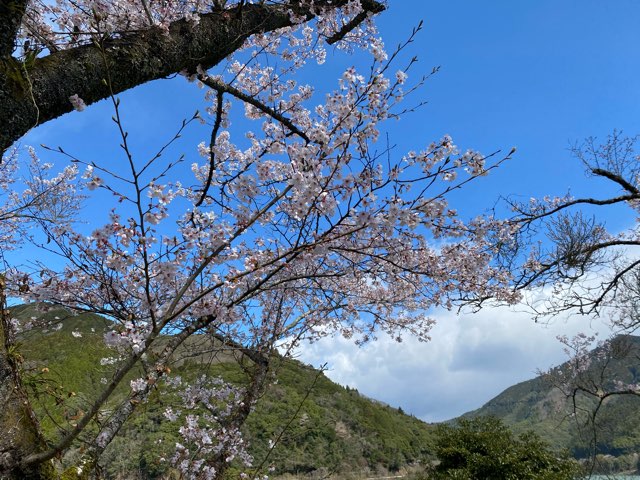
<point>484,448</point>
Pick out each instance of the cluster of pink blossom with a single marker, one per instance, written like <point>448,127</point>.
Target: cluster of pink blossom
<point>578,349</point>
<point>66,24</point>
<point>591,376</point>
<point>544,205</point>
<point>211,432</point>
<point>52,198</point>
<point>295,229</point>
<point>130,336</point>
<point>319,228</point>
<point>62,24</point>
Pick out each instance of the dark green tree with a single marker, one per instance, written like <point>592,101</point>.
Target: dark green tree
<point>484,448</point>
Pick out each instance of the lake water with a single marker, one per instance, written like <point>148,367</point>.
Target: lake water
<point>615,477</point>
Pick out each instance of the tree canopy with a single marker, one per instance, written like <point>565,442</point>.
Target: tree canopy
<point>483,448</point>
<point>50,52</point>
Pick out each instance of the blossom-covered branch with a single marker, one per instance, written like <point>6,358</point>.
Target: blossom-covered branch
<point>68,48</point>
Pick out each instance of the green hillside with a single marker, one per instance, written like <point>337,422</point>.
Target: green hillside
<point>331,429</point>
<point>537,405</point>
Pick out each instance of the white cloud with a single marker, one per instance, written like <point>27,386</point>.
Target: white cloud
<point>470,359</point>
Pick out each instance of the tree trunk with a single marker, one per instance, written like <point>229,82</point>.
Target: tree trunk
<point>19,430</point>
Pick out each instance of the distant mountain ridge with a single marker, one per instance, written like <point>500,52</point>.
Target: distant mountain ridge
<point>537,405</point>
<point>335,430</point>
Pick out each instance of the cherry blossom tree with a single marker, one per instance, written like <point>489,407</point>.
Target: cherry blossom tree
<point>296,229</point>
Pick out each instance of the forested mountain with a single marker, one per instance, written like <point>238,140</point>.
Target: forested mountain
<point>316,424</point>
<point>539,405</point>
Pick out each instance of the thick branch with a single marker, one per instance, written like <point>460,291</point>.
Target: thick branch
<point>618,179</point>
<point>370,7</point>
<point>222,87</point>
<point>30,96</point>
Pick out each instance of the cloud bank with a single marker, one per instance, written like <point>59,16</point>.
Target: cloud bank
<point>470,359</point>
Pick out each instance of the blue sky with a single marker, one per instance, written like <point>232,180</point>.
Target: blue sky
<point>539,75</point>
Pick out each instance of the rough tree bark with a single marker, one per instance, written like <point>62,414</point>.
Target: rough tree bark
<point>11,12</point>
<point>38,92</point>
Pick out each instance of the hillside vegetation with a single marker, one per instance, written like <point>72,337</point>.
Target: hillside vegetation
<point>319,426</point>
<point>537,405</point>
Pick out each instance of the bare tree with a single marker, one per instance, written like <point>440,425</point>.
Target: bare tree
<point>559,244</point>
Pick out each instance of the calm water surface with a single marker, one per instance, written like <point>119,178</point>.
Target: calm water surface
<point>615,477</point>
